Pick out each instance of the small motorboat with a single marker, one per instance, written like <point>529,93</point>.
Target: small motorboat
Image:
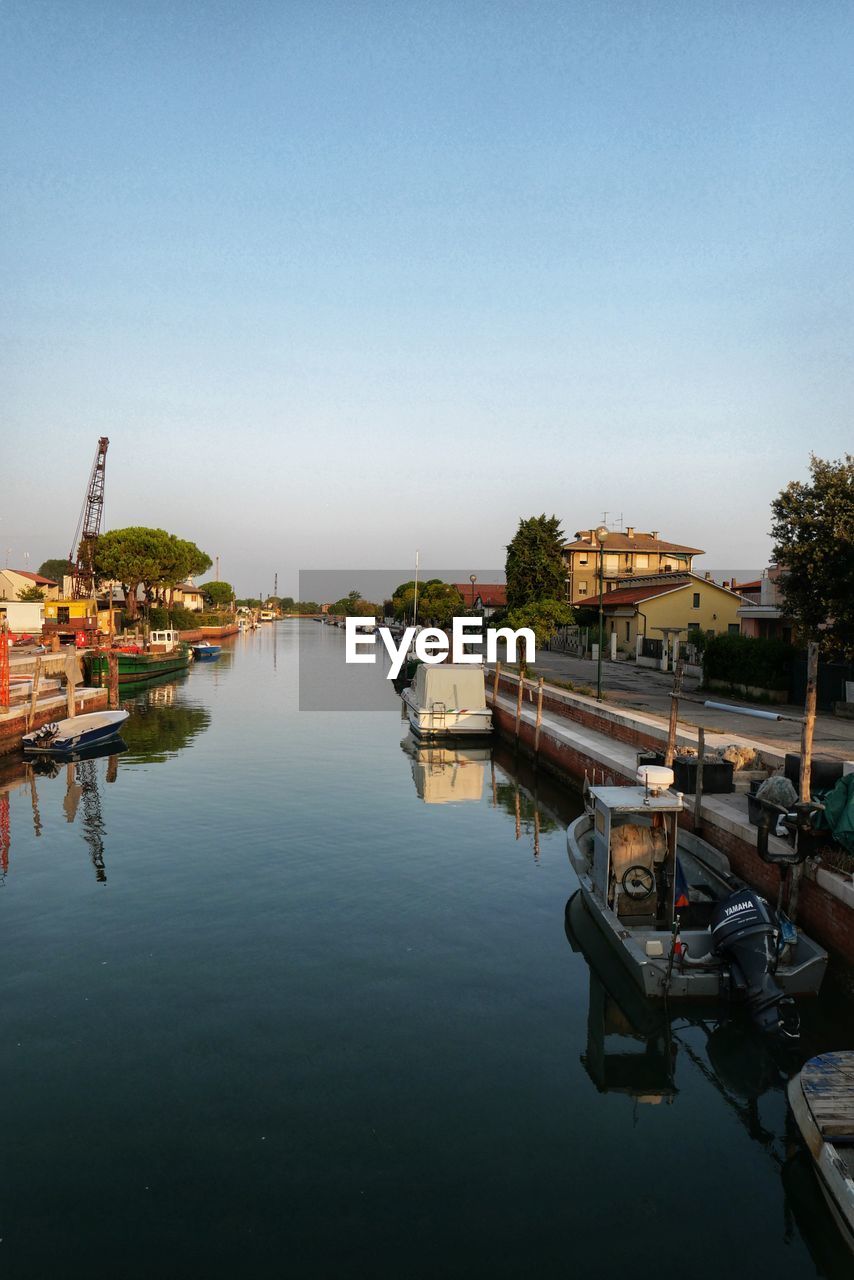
<point>65,737</point>
<point>204,652</point>
<point>821,1096</point>
<point>685,927</point>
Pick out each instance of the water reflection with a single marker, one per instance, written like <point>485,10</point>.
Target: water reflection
<point>82,795</point>
<point>160,724</point>
<point>446,774</point>
<point>640,1050</point>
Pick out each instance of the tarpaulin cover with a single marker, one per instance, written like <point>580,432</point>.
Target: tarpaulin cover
<point>838,812</point>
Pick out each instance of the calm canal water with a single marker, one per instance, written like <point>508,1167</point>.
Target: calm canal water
<point>283,998</point>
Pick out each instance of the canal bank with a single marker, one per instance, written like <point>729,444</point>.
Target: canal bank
<point>579,737</point>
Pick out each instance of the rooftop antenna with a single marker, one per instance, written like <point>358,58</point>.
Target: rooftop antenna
<point>415,601</point>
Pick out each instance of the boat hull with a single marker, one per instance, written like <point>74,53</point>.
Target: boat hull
<point>800,978</point>
<point>77,734</point>
<point>428,723</point>
<point>135,666</point>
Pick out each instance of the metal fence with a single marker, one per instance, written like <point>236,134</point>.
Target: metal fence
<point>574,640</point>
<point>652,648</point>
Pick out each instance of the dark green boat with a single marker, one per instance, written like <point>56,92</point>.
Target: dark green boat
<point>142,665</point>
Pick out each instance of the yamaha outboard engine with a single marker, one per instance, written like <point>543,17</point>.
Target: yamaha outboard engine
<point>745,933</point>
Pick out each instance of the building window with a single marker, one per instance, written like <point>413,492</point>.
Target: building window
<point>693,626</point>
<point>641,562</point>
<point>582,559</point>
<point>63,614</point>
<point>734,629</point>
<point>628,629</point>
<point>696,599</point>
<point>612,563</point>
<point>582,588</point>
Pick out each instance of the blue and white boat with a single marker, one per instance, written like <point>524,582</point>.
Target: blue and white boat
<point>204,652</point>
<point>61,737</point>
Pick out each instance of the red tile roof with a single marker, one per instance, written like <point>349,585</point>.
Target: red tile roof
<point>492,594</point>
<point>638,542</point>
<point>633,595</point>
<point>35,577</point>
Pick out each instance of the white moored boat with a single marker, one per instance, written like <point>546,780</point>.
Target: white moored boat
<point>684,925</point>
<point>448,700</point>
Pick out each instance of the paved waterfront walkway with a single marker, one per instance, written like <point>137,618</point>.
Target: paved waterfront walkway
<point>645,690</point>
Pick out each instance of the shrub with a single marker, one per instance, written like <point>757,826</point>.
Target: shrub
<point>741,660</point>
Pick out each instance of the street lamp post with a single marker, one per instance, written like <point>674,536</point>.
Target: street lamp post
<point>601,538</point>
<point>472,580</point>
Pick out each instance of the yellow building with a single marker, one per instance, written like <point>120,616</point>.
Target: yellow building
<point>625,554</point>
<point>73,619</point>
<point>667,604</point>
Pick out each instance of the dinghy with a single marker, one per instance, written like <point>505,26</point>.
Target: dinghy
<point>62,737</point>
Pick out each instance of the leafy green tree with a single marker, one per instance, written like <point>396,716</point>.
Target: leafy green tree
<point>219,594</point>
<point>543,617</point>
<point>56,570</point>
<point>31,593</point>
<point>813,532</point>
<point>535,565</point>
<point>438,601</point>
<point>134,557</point>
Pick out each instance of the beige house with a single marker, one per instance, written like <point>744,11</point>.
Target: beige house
<point>665,605</point>
<point>13,581</point>
<point>188,596</point>
<point>626,554</point>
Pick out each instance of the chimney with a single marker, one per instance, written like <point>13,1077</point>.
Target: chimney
<point>708,576</point>
<point>630,531</point>
<point>654,535</point>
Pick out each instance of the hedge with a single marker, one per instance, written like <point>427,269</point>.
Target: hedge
<point>742,660</point>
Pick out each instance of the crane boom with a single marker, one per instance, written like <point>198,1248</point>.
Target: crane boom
<point>83,572</point>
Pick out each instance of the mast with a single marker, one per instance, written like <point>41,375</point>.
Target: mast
<point>415,601</point>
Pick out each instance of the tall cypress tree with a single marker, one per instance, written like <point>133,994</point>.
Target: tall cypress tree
<point>535,565</point>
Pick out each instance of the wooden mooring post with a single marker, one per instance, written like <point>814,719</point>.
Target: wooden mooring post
<point>670,750</point>
<point>495,681</point>
<point>113,681</point>
<point>519,695</point>
<point>698,790</point>
<point>540,684</point>
<point>37,676</point>
<point>805,778</point>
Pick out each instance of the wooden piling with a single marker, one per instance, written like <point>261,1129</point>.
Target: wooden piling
<point>37,676</point>
<point>519,695</point>
<point>698,794</point>
<point>113,681</point>
<point>674,715</point>
<point>495,681</point>
<point>540,683</point>
<point>809,722</point>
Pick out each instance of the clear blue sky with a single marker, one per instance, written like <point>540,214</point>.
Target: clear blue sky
<point>340,280</point>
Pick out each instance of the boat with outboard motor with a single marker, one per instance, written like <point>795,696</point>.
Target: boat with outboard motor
<point>669,905</point>
<point>65,737</point>
<point>205,652</point>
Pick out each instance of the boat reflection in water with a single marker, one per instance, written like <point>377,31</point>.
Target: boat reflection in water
<point>638,1049</point>
<point>80,771</point>
<point>158,728</point>
<point>446,774</point>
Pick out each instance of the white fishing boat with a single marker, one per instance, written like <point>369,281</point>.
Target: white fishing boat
<point>448,700</point>
<point>75,733</point>
<point>670,906</point>
<point>821,1096</point>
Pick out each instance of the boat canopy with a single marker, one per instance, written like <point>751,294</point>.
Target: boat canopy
<point>459,687</point>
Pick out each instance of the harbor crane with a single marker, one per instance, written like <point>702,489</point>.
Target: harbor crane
<point>88,528</point>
